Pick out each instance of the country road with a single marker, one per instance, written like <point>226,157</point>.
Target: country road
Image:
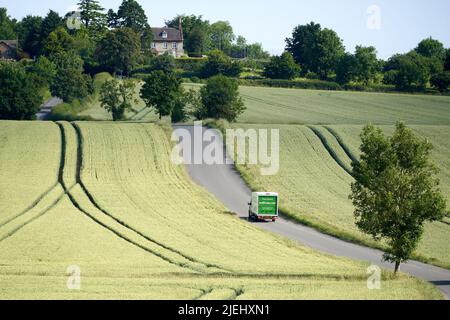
<point>226,184</point>
<point>46,108</point>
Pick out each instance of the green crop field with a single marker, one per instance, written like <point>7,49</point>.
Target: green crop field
<point>315,176</point>
<point>297,106</point>
<point>105,197</point>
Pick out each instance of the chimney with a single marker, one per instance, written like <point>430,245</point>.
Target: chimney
<point>180,27</point>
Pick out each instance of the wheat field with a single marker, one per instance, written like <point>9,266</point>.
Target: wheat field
<point>106,198</point>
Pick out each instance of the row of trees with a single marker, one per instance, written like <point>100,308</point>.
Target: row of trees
<point>201,36</point>
<point>163,92</point>
<point>320,54</point>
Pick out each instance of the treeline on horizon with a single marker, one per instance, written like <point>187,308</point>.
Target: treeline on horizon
<point>64,60</point>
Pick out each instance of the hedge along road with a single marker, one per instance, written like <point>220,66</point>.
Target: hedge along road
<point>223,181</point>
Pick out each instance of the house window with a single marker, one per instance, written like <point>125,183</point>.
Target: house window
<point>153,45</point>
<point>165,45</point>
<point>174,45</point>
<point>164,35</point>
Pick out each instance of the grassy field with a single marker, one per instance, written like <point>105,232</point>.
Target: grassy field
<point>314,181</point>
<point>139,228</point>
<point>309,107</point>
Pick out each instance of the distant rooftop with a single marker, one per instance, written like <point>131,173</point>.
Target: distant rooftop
<point>167,34</point>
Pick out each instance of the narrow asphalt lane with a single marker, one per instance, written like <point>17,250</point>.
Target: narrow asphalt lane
<point>223,181</point>
<point>46,108</point>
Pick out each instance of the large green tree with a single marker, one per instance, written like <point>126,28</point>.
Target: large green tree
<point>57,42</point>
<point>92,13</point>
<point>7,26</point>
<point>346,68</point>
<point>197,41</point>
<point>431,48</point>
<point>315,49</point>
<point>117,97</point>
<point>19,96</point>
<point>366,64</point>
<point>411,71</point>
<point>221,36</point>
<point>188,23</point>
<point>447,60</point>
<point>50,23</point>
<point>161,92</point>
<point>132,15</point>
<point>220,99</point>
<point>282,67</point>
<point>28,30</point>
<point>119,51</point>
<point>69,83</point>
<point>396,190</point>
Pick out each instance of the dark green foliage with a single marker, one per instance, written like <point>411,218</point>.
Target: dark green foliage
<point>132,15</point>
<point>29,35</point>
<point>315,49</point>
<point>411,71</point>
<point>7,26</point>
<point>441,81</point>
<point>221,36</point>
<point>197,41</point>
<point>220,99</point>
<point>431,48</point>
<point>282,67</point>
<point>219,63</point>
<point>119,51</point>
<point>50,23</point>
<point>59,41</point>
<point>396,190</point>
<point>345,70</point>
<point>92,14</point>
<point>70,83</point>
<point>112,19</point>
<point>44,71</point>
<point>161,91</point>
<point>164,62</point>
<point>366,64</point>
<point>117,97</point>
<point>19,96</point>
<point>447,60</point>
<point>195,32</point>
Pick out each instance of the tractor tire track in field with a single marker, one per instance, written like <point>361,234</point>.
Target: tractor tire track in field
<point>30,207</point>
<point>43,196</point>
<point>88,194</point>
<point>342,144</point>
<point>330,149</point>
<point>32,219</point>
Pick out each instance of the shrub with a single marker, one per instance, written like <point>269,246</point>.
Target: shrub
<point>441,81</point>
<point>219,63</point>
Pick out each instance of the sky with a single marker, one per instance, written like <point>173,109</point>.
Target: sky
<point>392,26</point>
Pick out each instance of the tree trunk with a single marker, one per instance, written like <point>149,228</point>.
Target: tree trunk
<point>397,266</point>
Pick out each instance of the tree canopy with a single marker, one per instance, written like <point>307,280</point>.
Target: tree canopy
<point>132,15</point>
<point>282,67</point>
<point>315,49</point>
<point>119,51</point>
<point>396,190</point>
<point>220,99</point>
<point>161,91</point>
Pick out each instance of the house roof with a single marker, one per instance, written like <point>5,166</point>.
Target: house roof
<point>173,35</point>
<point>10,43</point>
